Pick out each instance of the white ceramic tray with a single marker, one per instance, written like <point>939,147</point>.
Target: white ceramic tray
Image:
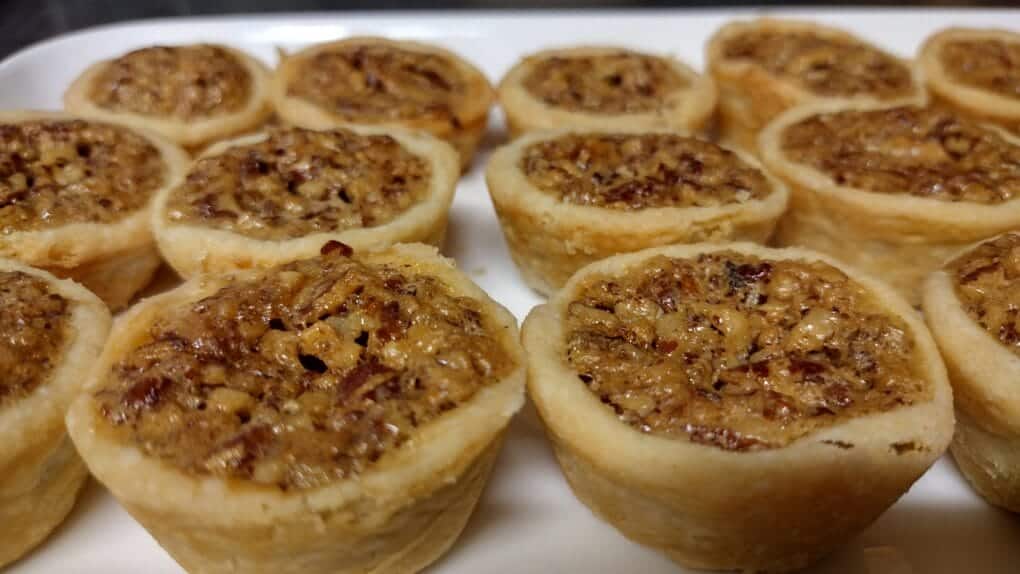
<point>528,520</point>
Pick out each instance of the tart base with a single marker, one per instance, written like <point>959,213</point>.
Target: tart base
<point>990,462</point>
<point>117,279</point>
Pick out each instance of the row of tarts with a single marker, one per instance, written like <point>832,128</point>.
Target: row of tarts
<point>323,394</point>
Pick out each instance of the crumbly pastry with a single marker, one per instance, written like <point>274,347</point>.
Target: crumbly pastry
<point>764,67</point>
<point>976,72</point>
<point>376,81</point>
<point>894,191</point>
<point>600,87</point>
<point>567,198</point>
<point>191,95</point>
<point>51,331</point>
<point>973,309</point>
<point>335,414</point>
<point>734,406</point>
<point>278,196</point>
<point>75,198</point>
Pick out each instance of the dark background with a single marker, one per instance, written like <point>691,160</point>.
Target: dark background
<point>23,22</point>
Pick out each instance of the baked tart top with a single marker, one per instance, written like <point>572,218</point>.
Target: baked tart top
<point>987,284</point>
<point>303,374</point>
<point>33,324</point>
<point>296,182</point>
<point>987,63</point>
<point>738,351</point>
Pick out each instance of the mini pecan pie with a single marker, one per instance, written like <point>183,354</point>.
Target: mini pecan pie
<point>604,87</point>
<point>975,72</point>
<point>892,190</point>
<point>75,198</point>
<point>278,196</point>
<point>734,406</point>
<point>191,95</point>
<point>383,82</point>
<point>333,414</point>
<point>51,331</point>
<point>567,198</point>
<point>763,67</point>
<point>973,309</point>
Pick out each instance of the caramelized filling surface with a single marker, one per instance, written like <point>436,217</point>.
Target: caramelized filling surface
<point>826,66</point>
<point>737,352</point>
<point>922,152</point>
<point>305,375</point>
<point>55,172</point>
<point>630,172</point>
<point>183,82</point>
<point>32,324</point>
<point>991,65</point>
<point>988,285</point>
<point>298,182</point>
<point>624,82</point>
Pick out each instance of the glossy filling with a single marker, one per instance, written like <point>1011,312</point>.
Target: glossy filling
<point>912,151</point>
<point>56,172</point>
<point>32,324</point>
<point>987,282</point>
<point>298,182</point>
<point>822,65</point>
<point>617,83</point>
<point>987,64</point>
<point>631,172</point>
<point>305,375</point>
<point>737,352</point>
<point>182,82</point>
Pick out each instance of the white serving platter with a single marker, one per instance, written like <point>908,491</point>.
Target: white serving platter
<point>528,520</point>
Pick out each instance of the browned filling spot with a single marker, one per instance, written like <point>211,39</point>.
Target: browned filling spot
<point>822,65</point>
<point>922,152</point>
<point>991,65</point>
<point>622,82</point>
<point>380,83</point>
<point>628,172</point>
<point>305,375</point>
<point>184,82</point>
<point>737,352</point>
<point>32,324</point>
<point>988,285</point>
<point>70,171</point>
<point>299,181</point>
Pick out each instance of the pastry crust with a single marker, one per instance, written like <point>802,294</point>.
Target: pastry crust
<point>194,248</point>
<point>40,473</point>
<point>898,237</point>
<point>750,96</point>
<point>400,514</point>
<point>774,509</point>
<point>550,239</point>
<point>191,133</point>
<point>974,101</point>
<point>688,108</point>
<point>114,260</point>
<point>470,109</point>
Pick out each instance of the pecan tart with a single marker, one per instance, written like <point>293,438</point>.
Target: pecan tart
<point>191,95</point>
<point>567,198</point>
<point>278,196</point>
<point>334,414</point>
<point>734,406</point>
<point>75,198</point>
<point>51,331</point>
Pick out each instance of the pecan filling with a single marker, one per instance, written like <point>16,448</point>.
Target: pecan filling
<point>32,324</point>
<point>624,82</point>
<point>70,171</point>
<point>381,83</point>
<point>736,352</point>
<point>305,375</point>
<point>922,152</point>
<point>988,285</point>
<point>631,172</point>
<point>991,65</point>
<point>298,182</point>
<point>825,66</point>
